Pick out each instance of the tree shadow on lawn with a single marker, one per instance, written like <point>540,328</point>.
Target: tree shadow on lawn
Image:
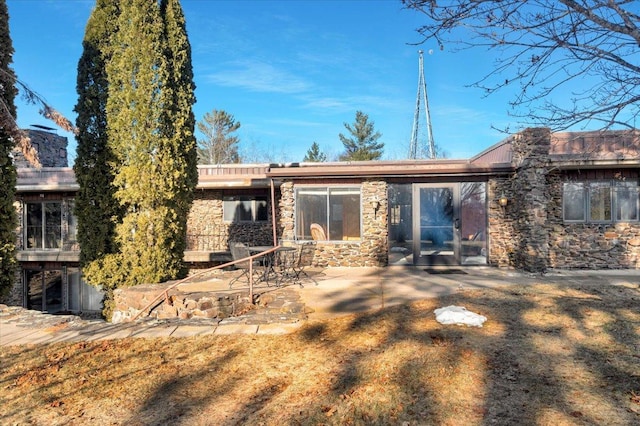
<point>566,357</point>
<point>549,353</point>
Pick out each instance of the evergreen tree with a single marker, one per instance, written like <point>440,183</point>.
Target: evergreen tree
<point>219,146</point>
<point>95,205</point>
<point>362,145</point>
<point>182,159</point>
<point>150,131</point>
<point>8,217</point>
<point>314,155</point>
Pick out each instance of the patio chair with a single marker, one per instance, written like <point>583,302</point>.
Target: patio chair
<point>317,232</point>
<point>303,259</point>
<point>241,251</point>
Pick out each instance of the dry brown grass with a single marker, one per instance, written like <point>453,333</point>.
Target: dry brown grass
<point>547,355</point>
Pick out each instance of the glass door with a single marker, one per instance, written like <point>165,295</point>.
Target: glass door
<point>436,224</point>
<point>45,290</point>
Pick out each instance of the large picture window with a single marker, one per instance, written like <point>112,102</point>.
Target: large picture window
<point>601,201</point>
<point>334,213</point>
<point>43,225</point>
<point>245,208</point>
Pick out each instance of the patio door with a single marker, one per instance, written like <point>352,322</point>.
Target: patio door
<point>45,290</point>
<point>436,224</point>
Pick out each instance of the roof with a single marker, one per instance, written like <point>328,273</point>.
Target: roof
<point>602,148</point>
<point>233,175</point>
<point>567,150</point>
<point>46,179</point>
<point>401,168</point>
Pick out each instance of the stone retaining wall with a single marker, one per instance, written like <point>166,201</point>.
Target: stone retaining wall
<point>275,305</point>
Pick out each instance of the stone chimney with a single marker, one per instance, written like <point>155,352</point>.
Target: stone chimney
<point>52,149</point>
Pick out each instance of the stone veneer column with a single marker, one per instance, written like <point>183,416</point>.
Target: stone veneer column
<point>374,247</point>
<point>285,218</point>
<point>529,200</point>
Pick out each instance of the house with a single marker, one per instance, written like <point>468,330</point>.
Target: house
<point>535,201</point>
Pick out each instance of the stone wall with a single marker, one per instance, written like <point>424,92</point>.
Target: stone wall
<point>530,199</point>
<point>588,245</point>
<point>519,236</point>
<point>371,250</point>
<point>207,231</point>
<point>530,234</point>
<point>130,301</point>
<point>51,148</point>
<point>501,225</point>
<point>280,305</point>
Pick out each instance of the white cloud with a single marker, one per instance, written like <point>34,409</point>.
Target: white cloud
<point>259,77</point>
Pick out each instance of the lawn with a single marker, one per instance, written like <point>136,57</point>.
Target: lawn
<point>547,355</point>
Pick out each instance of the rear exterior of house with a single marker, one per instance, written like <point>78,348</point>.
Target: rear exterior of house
<point>534,201</point>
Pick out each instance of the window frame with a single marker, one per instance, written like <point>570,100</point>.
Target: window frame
<point>593,189</point>
<point>44,225</point>
<point>254,206</point>
<point>330,210</point>
<point>584,209</point>
<point>611,190</point>
<point>634,187</point>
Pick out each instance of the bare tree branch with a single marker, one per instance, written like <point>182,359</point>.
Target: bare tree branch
<point>20,137</point>
<point>590,47</point>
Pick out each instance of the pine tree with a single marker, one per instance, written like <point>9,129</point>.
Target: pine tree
<point>219,146</point>
<point>8,217</point>
<point>314,155</point>
<point>150,127</point>
<point>363,145</point>
<point>95,205</point>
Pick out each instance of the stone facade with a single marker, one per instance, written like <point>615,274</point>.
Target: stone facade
<point>371,250</point>
<point>207,231</point>
<point>589,245</point>
<point>51,148</point>
<point>530,234</point>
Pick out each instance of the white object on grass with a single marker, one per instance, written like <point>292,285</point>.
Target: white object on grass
<point>459,315</point>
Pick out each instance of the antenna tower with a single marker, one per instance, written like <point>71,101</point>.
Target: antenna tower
<point>422,102</point>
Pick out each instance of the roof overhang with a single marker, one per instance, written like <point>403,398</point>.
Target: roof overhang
<point>385,169</point>
<point>49,179</point>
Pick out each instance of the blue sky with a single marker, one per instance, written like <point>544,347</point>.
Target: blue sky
<point>292,72</point>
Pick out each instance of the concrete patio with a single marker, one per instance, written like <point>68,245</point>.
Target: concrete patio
<point>340,291</point>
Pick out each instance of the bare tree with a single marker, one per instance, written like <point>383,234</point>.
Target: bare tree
<point>548,44</point>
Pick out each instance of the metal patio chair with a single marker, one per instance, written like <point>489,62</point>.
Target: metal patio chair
<point>241,251</point>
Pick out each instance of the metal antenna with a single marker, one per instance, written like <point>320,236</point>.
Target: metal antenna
<point>415,150</point>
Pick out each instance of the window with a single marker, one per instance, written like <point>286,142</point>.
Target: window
<point>335,209</point>
<point>601,201</point>
<point>43,225</point>
<point>244,208</point>
<point>573,200</point>
<point>627,202</point>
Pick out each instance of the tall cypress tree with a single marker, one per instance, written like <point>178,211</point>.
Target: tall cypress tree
<point>8,217</point>
<point>182,158</point>
<point>150,131</point>
<point>95,205</point>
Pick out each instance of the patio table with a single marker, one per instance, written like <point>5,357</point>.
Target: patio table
<point>274,266</point>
